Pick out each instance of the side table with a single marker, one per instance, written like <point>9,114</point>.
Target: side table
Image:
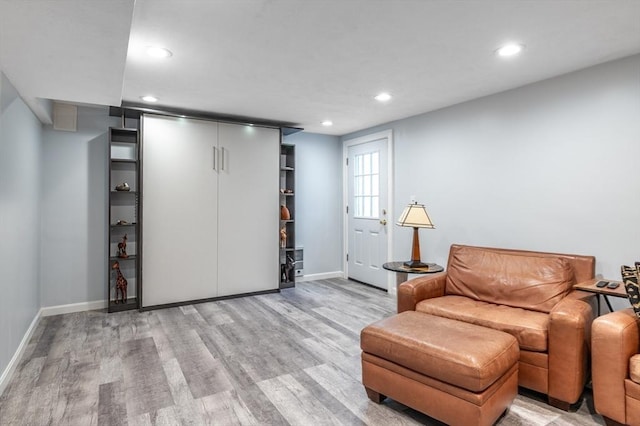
<point>590,286</point>
<point>402,271</point>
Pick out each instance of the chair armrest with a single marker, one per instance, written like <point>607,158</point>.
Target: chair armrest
<point>569,339</point>
<point>585,296</point>
<point>421,288</point>
<point>615,339</point>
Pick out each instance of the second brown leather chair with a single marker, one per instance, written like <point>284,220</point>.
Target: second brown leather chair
<point>615,348</point>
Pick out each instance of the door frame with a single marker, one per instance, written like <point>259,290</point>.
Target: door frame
<point>388,135</point>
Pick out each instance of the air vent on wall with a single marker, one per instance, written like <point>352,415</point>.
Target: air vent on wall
<point>65,117</point>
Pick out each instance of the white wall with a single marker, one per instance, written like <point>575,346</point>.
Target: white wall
<point>552,166</point>
<point>75,195</point>
<point>20,165</point>
<point>318,201</point>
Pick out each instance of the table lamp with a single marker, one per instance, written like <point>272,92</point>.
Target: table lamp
<point>415,216</point>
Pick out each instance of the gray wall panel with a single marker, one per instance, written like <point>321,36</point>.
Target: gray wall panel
<point>550,166</point>
<point>20,174</point>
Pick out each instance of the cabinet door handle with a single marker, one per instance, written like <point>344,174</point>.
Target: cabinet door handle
<point>215,159</point>
<point>222,155</point>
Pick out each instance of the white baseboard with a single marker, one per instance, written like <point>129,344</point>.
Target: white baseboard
<point>322,276</point>
<point>44,312</point>
<point>73,307</point>
<point>13,364</point>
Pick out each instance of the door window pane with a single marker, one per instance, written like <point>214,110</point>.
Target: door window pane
<point>366,182</point>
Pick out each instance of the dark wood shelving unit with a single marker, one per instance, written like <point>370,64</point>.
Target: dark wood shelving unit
<point>124,166</point>
<point>289,262</point>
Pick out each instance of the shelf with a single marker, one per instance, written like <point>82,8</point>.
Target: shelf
<point>131,257</point>
<point>132,303</point>
<point>124,166</point>
<point>123,135</point>
<point>288,184</point>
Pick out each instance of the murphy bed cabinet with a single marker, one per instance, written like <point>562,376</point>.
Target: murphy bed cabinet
<point>211,219</point>
<point>123,214</point>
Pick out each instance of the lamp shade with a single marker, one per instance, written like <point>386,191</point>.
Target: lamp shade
<point>415,216</point>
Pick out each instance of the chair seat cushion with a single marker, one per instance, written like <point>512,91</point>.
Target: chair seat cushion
<point>530,328</point>
<point>454,352</point>
<point>634,368</point>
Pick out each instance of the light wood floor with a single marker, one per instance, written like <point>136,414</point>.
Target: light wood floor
<point>276,359</point>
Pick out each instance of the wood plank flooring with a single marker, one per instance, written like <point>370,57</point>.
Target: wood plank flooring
<point>291,358</point>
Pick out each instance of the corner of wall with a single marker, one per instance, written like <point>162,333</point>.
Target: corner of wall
<point>20,174</point>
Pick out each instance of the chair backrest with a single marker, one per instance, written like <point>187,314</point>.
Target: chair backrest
<point>526,279</point>
<point>584,267</point>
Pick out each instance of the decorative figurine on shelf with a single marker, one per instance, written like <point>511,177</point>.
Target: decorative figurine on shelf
<point>283,237</point>
<point>289,267</point>
<point>122,222</point>
<point>122,248</point>
<point>123,187</point>
<point>284,213</point>
<point>121,284</point>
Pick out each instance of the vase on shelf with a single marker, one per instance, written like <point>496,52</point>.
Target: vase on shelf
<point>284,213</point>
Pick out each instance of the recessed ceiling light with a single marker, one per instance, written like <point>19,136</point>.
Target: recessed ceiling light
<point>149,98</point>
<point>510,49</point>
<point>158,52</point>
<point>327,123</point>
<point>383,97</point>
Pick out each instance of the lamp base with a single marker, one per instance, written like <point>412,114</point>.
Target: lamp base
<point>415,264</point>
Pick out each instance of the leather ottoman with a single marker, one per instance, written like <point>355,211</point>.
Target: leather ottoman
<point>456,372</point>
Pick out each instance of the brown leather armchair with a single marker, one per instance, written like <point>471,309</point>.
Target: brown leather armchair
<point>615,346</point>
<point>526,294</point>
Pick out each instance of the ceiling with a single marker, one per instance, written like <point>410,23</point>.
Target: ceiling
<point>303,62</point>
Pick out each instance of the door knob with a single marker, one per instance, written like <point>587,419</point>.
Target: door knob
<point>383,222</point>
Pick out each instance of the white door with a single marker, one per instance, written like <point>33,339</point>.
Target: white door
<point>249,209</point>
<point>367,211</point>
<point>180,211</point>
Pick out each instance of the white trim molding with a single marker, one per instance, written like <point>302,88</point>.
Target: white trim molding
<point>73,307</point>
<point>322,276</point>
<point>17,356</point>
<point>384,134</point>
<point>43,312</point>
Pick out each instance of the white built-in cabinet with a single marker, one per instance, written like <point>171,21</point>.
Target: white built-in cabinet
<point>211,219</point>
